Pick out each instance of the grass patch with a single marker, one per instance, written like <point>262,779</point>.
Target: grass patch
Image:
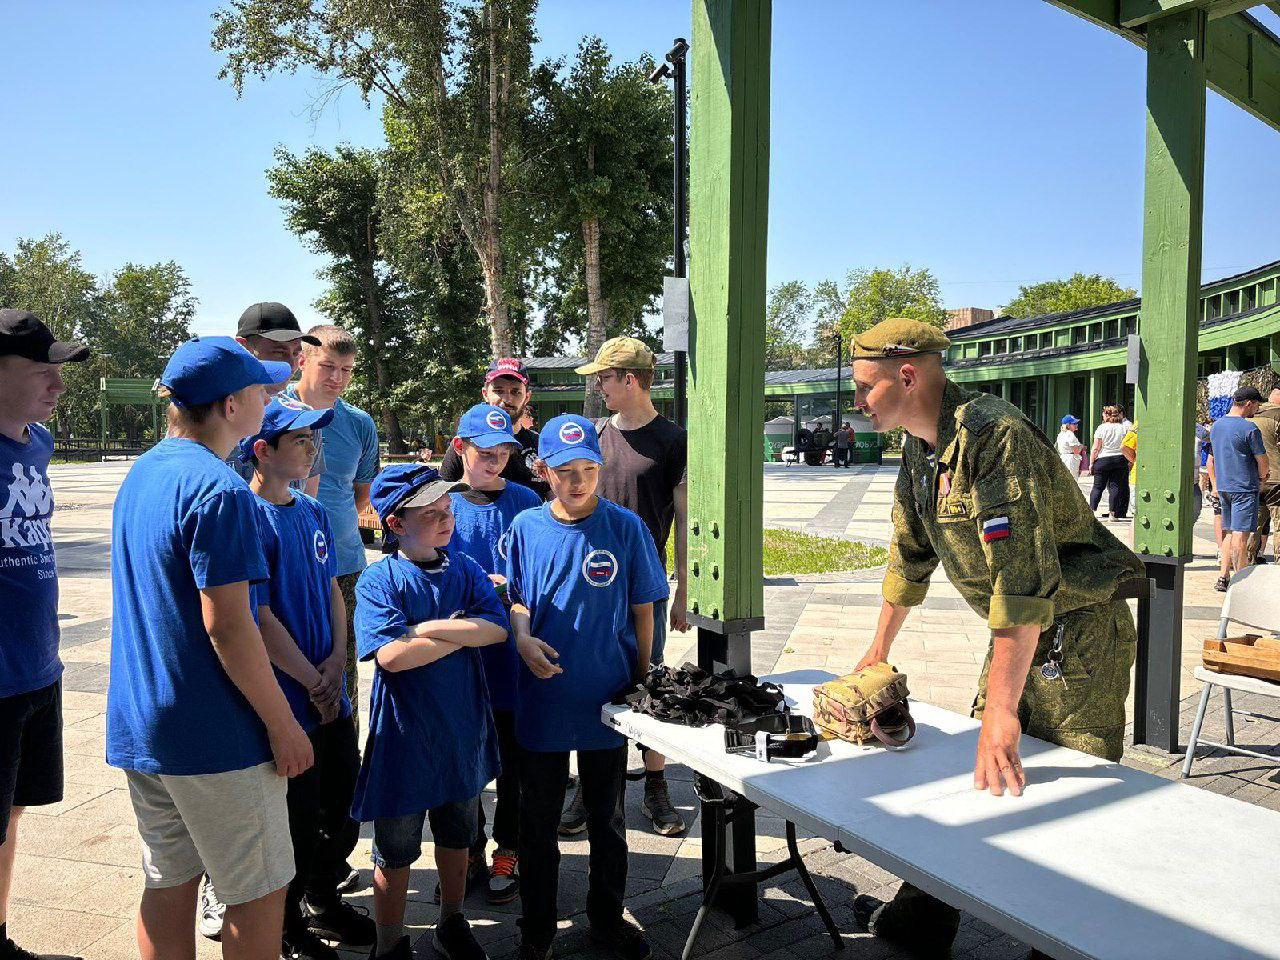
<point>789,551</point>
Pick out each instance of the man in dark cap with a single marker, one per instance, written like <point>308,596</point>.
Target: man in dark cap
<point>983,491</point>
<point>1237,466</point>
<point>31,360</point>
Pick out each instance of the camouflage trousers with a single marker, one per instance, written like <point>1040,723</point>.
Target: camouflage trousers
<point>1085,713</point>
<point>347,584</point>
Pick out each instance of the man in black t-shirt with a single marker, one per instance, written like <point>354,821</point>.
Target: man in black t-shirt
<point>506,385</point>
<point>645,455</point>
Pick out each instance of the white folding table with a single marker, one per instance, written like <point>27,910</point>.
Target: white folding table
<point>1095,860</point>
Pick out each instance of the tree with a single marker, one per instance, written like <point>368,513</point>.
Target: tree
<point>605,168</point>
<point>875,294</point>
<point>787,317</point>
<point>454,75</point>
<point>331,201</point>
<point>1062,296</point>
<point>145,314</point>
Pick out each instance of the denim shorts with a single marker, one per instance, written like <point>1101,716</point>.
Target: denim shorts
<point>397,841</point>
<point>1239,511</point>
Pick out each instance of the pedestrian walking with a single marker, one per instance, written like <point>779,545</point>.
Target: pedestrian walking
<point>1070,449</point>
<point>1110,466</point>
<point>1236,467</point>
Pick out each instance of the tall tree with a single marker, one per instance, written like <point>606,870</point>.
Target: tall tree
<point>1062,296</point>
<point>331,201</point>
<point>605,168</point>
<point>454,77</point>
<point>872,295</point>
<point>787,317</point>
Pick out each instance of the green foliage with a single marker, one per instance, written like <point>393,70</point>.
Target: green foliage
<point>1061,296</point>
<point>132,321</point>
<point>872,295</point>
<point>787,317</point>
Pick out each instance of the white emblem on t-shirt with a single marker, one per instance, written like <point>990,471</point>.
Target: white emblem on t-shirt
<point>600,568</point>
<point>321,545</point>
<point>24,518</point>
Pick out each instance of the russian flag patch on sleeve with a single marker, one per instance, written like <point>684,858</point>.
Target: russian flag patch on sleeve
<point>997,528</point>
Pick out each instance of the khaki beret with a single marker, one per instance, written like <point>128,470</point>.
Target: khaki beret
<point>622,353</point>
<point>899,337</point>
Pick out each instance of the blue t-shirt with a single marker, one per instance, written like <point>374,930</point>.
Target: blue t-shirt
<point>350,447</point>
<point>296,540</point>
<point>477,532</point>
<point>182,522</point>
<point>580,581</point>
<point>1236,443</point>
<point>431,735</point>
<point>28,573</point>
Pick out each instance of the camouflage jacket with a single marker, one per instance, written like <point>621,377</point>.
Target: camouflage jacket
<point>998,508</point>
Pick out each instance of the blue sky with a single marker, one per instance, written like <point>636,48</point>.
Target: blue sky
<point>996,143</point>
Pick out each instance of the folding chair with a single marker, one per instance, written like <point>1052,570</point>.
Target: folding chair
<point>1253,600</point>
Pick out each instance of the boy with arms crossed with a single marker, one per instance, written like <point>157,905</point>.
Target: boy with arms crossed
<point>304,625</point>
<point>421,614</point>
<point>583,576</point>
<point>482,514</point>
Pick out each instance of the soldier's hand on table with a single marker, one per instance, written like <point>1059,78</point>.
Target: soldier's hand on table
<point>998,765</point>
<point>537,656</point>
<point>875,654</point>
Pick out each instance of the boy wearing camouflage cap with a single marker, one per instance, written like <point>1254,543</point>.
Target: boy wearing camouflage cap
<point>982,491</point>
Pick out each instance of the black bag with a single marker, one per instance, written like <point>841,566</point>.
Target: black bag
<point>695,698</point>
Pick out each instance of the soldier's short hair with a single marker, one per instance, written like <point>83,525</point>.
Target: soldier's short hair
<point>332,338</point>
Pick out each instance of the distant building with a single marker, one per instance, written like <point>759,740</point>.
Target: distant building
<point>966,316</point>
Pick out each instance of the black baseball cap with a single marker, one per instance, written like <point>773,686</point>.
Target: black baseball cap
<point>23,335</point>
<point>1247,395</point>
<point>274,321</point>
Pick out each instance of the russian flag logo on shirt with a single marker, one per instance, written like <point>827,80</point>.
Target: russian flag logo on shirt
<point>600,568</point>
<point>321,546</point>
<point>997,528</point>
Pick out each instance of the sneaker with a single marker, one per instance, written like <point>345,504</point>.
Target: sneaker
<point>339,921</point>
<point>477,877</point>
<point>504,877</point>
<point>351,883</point>
<point>574,819</point>
<point>212,911</point>
<point>401,951</point>
<point>302,944</point>
<point>623,938</point>
<point>11,951</point>
<point>926,940</point>
<point>1221,584</point>
<point>456,941</point>
<point>656,805</point>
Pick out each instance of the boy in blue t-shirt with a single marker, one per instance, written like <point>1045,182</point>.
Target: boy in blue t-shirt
<point>195,716</point>
<point>421,614</point>
<point>583,575</point>
<point>482,514</point>
<point>304,626</point>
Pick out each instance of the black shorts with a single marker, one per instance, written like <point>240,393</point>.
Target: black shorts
<point>30,751</point>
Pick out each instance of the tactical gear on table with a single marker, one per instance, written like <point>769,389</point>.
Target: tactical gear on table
<point>868,705</point>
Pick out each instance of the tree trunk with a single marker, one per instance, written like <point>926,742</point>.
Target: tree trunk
<point>491,256</point>
<point>373,314</point>
<point>597,307</point>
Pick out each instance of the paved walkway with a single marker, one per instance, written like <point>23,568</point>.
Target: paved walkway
<point>78,880</point>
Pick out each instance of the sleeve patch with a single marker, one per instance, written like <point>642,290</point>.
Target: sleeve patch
<point>997,528</point>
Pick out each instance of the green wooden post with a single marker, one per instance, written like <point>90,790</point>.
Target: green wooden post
<point>1232,357</point>
<point>728,225</point>
<point>1096,403</point>
<point>1171,240</point>
<point>1273,351</point>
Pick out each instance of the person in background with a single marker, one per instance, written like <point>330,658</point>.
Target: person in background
<point>1236,466</point>
<point>1267,420</point>
<point>1129,449</point>
<point>1070,449</point>
<point>1110,467</point>
<point>840,457</point>
<point>31,362</point>
<point>1205,447</point>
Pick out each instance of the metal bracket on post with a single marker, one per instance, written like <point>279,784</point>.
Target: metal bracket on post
<point>1158,674</point>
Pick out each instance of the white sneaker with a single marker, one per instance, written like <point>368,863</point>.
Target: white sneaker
<point>211,911</point>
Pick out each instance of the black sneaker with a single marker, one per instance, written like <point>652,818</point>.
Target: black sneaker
<point>456,941</point>
<point>301,944</point>
<point>1221,584</point>
<point>477,878</point>
<point>504,877</point>
<point>401,951</point>
<point>623,938</point>
<point>574,819</point>
<point>11,951</point>
<point>871,914</point>
<point>339,921</point>
<point>656,805</point>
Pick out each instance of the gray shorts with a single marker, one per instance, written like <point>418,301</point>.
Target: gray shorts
<point>233,826</point>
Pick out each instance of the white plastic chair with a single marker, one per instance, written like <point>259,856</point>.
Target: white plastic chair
<point>1252,600</point>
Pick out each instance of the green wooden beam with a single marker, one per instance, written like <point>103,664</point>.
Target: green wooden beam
<point>1171,246</point>
<point>728,220</point>
<point>1242,57</point>
<point>1134,13</point>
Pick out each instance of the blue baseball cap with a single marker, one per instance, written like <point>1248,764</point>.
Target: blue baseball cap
<point>1070,419</point>
<point>282,415</point>
<point>205,369</point>
<point>486,426</point>
<point>568,437</point>
<point>403,485</point>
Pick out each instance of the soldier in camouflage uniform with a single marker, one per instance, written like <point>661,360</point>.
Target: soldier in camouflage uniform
<point>982,490</point>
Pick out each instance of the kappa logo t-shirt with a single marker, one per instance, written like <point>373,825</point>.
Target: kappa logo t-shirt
<point>28,573</point>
